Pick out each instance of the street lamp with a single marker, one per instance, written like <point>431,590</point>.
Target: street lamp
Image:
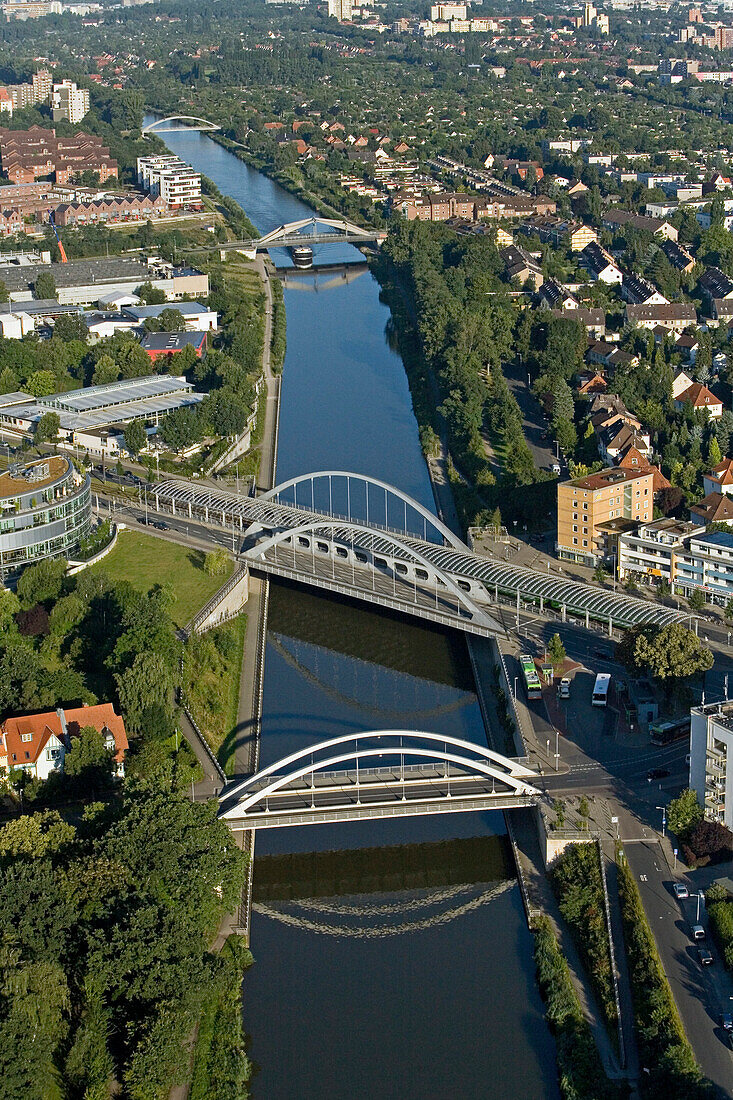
<point>664,817</point>
<point>515,686</point>
<point>557,750</point>
<point>700,897</point>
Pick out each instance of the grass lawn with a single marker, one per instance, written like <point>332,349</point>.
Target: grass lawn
<point>145,560</point>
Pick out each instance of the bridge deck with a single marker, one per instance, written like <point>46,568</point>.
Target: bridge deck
<point>497,578</point>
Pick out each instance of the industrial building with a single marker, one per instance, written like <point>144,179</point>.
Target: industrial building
<point>85,282</point>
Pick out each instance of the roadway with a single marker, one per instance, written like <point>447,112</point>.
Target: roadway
<point>534,424</point>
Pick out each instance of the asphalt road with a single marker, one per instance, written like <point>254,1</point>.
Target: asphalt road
<point>695,988</point>
<point>533,422</point>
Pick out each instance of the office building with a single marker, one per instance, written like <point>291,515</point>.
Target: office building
<point>587,505</point>
<point>45,509</point>
<point>711,760</point>
<point>69,102</point>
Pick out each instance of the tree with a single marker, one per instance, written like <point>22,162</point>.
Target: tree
<point>47,428</point>
<point>41,383</point>
<point>3,291</point>
<point>556,651</point>
<point>133,361</point>
<point>216,563</point>
<point>135,437</point>
<point>172,320</point>
<point>708,842</point>
<point>105,371</point>
<point>671,653</point>
<point>226,413</point>
<point>88,761</point>
<point>684,812</point>
<point>150,294</point>
<point>44,287</point>
<point>70,327</point>
<point>696,599</point>
<point>41,582</point>
<point>181,428</point>
<point>149,680</point>
<point>728,612</point>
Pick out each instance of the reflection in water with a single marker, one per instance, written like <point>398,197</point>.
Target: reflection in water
<point>323,277</point>
<point>356,684</point>
<point>369,921</point>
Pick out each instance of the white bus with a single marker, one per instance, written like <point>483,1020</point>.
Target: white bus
<point>600,691</point>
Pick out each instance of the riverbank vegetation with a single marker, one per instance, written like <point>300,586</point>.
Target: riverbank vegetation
<point>105,964</point>
<point>278,342</point>
<point>663,1046</point>
<point>221,1068</point>
<point>581,1073</point>
<point>212,666</point>
<point>576,879</point>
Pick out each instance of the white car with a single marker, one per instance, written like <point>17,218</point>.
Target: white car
<point>680,890</point>
<point>563,691</point>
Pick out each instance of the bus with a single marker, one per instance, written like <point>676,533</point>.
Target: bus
<point>664,733</point>
<point>600,691</point>
<point>531,679</point>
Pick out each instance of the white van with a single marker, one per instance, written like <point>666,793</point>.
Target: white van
<point>698,932</point>
<point>563,691</point>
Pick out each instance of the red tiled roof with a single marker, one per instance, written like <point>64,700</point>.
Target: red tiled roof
<point>723,472</point>
<point>699,396</point>
<point>714,507</point>
<point>43,726</point>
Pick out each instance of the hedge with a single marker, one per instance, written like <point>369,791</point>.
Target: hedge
<point>580,1071</point>
<point>221,1068</point>
<point>720,914</point>
<point>663,1047</point>
<point>576,878</point>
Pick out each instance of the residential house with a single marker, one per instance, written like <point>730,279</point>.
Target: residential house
<point>520,265</point>
<point>616,440</point>
<point>715,284</point>
<point>652,549</point>
<point>590,382</point>
<point>721,310</point>
<point>600,264</point>
<point>714,508</point>
<point>720,478</point>
<point>641,292</point>
<point>559,233</point>
<point>634,460</point>
<point>680,383</point>
<point>617,220</point>
<point>553,295</point>
<point>688,346</point>
<point>675,316</point>
<point>679,257</point>
<point>700,397</point>
<point>38,743</point>
<point>593,320</point>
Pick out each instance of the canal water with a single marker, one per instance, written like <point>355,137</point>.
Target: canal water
<point>402,977</point>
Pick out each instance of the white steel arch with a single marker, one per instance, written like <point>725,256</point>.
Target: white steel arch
<point>489,763</point>
<point>152,128</point>
<point>437,524</point>
<point>294,227</point>
<point>476,614</point>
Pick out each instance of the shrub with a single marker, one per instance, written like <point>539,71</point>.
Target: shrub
<point>707,842</point>
<point>720,912</point>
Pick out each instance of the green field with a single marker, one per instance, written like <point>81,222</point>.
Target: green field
<point>145,560</point>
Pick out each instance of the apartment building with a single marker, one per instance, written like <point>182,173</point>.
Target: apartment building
<point>28,155</point>
<point>651,550</point>
<point>170,178</point>
<point>585,504</point>
<point>711,760</point>
<point>69,102</point>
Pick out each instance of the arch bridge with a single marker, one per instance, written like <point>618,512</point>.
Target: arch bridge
<point>191,122</point>
<point>391,773</point>
<point>360,537</point>
<point>307,231</point>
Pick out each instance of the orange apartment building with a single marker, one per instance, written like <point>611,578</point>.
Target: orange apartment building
<point>589,508</point>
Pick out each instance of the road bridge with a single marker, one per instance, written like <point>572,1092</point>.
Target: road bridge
<point>305,232</point>
<point>190,122</point>
<point>451,776</point>
<point>360,537</point>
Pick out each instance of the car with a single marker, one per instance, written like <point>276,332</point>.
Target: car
<point>657,773</point>
<point>706,959</point>
<point>160,526</point>
<point>726,1021</point>
<point>563,691</point>
<point>602,655</point>
<point>680,890</point>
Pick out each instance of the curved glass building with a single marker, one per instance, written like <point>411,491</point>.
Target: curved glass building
<point>45,509</point>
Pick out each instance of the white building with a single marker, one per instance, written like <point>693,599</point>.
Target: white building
<point>69,102</point>
<point>707,565</point>
<point>651,551</point>
<point>340,9</point>
<point>198,318</point>
<point>170,178</point>
<point>711,775</point>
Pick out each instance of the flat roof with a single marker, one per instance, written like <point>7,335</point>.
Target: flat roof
<point>188,309</point>
<point>83,272</point>
<point>99,418</point>
<point>613,475</point>
<point>171,341</point>
<point>11,485</point>
<point>117,393</point>
<point>17,398</point>
<point>716,538</point>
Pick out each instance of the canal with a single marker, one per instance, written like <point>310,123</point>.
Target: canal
<point>404,971</point>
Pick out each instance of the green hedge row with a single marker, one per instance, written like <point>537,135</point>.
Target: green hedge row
<point>278,341</point>
<point>576,879</point>
<point>663,1047</point>
<point>579,1066</point>
<point>720,913</point>
<point>221,1068</point>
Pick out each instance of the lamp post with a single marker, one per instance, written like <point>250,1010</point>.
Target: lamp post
<point>664,817</point>
<point>515,686</point>
<point>557,750</point>
<point>700,897</point>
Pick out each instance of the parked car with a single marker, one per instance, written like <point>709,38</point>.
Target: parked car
<point>680,890</point>
<point>656,773</point>
<point>698,932</point>
<point>563,691</point>
<point>706,959</point>
<point>726,1021</point>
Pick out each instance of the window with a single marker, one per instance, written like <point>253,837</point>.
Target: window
<point>575,543</point>
<point>27,756</point>
<point>585,542</point>
<point>26,737</point>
